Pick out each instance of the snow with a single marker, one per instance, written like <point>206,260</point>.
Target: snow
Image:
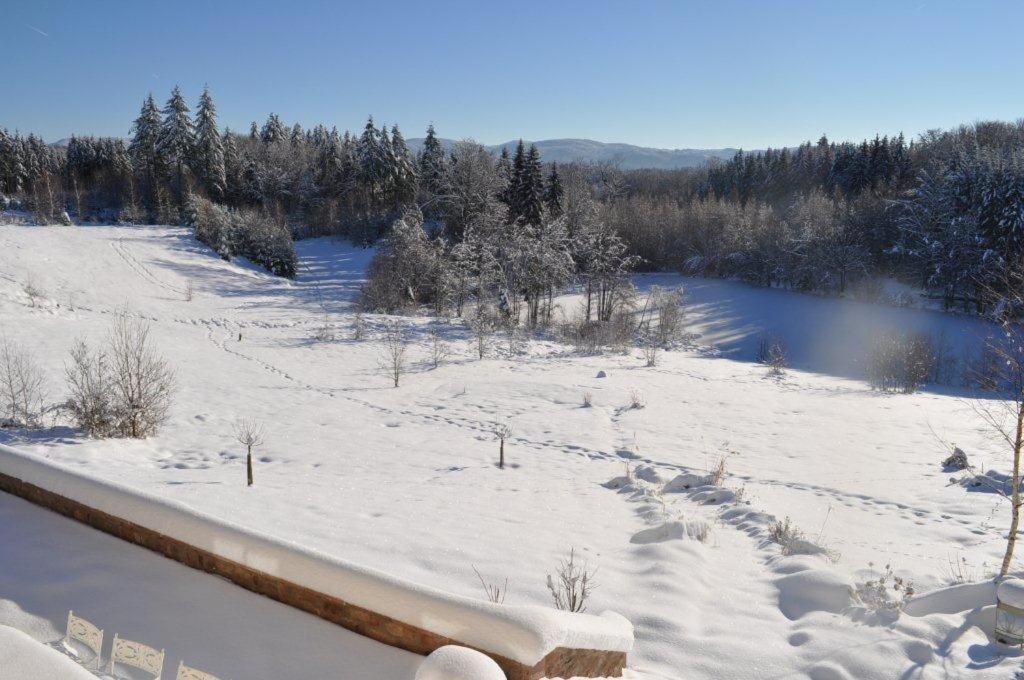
<point>1011,592</point>
<point>458,663</point>
<point>23,658</point>
<point>404,480</point>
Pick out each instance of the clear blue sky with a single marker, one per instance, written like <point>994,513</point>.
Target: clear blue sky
<point>668,74</point>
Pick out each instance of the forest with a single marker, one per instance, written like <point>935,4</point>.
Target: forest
<point>943,213</point>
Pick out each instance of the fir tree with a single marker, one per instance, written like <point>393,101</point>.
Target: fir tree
<point>432,164</point>
<point>273,130</point>
<point>209,154</point>
<point>177,135</point>
<point>553,193</point>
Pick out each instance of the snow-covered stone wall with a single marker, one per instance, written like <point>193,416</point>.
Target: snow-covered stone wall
<point>527,641</point>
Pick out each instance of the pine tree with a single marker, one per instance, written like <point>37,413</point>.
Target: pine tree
<point>209,149</point>
<point>553,193</point>
<point>143,147</point>
<point>403,169</point>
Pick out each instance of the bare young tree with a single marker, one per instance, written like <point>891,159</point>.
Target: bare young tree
<point>1005,417</point>
<point>22,386</point>
<point>572,584</point>
<point>394,351</point>
<point>249,434</point>
<point>189,291</point>
<point>502,430</point>
<point>482,325</point>
<point>651,348</point>
<point>142,381</point>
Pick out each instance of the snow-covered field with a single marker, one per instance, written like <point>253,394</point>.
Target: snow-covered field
<point>404,479</point>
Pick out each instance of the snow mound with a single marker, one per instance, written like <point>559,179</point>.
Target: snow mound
<point>669,531</point>
<point>1011,592</point>
<point>685,482</point>
<point>458,663</point>
<point>813,590</point>
<point>23,658</point>
<point>648,474</point>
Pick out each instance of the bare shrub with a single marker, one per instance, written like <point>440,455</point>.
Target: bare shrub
<point>189,291</point>
<point>142,382</point>
<point>394,351</point>
<point>637,399</point>
<point>358,325</point>
<point>22,386</point>
<point>502,430</point>
<point>31,290</point>
<point>438,349</point>
<point>900,361</point>
<point>494,592</point>
<point>669,306</point>
<point>324,332</point>
<point>89,380</point>
<point>777,361</point>
<point>125,390</point>
<point>717,474</point>
<point>572,584</point>
<point>887,593</point>
<point>793,541</point>
<point>588,399</point>
<point>249,434</point>
<point>651,349</point>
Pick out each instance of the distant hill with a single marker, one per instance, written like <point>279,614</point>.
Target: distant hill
<point>627,156</point>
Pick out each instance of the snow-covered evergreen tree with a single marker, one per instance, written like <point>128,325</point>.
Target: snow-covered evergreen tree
<point>209,149</point>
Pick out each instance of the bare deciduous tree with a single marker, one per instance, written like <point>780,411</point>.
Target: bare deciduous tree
<point>572,584</point>
<point>31,290</point>
<point>249,434</point>
<point>22,386</point>
<point>394,351</point>
<point>502,430</point>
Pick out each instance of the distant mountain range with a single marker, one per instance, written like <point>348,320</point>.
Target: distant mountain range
<point>627,156</point>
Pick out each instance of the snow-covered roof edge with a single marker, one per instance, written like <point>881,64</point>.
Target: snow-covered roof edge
<point>523,633</point>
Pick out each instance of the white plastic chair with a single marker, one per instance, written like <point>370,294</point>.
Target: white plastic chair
<point>88,635</point>
<point>189,673</point>
<point>136,655</point>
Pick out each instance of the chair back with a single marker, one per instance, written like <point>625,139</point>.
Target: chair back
<point>189,673</point>
<point>81,630</point>
<point>136,655</point>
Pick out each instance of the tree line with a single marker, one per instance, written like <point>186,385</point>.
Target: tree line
<point>943,212</point>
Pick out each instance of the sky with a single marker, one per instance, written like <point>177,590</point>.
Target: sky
<point>672,74</point>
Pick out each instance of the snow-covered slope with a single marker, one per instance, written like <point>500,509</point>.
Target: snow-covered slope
<point>404,479</point>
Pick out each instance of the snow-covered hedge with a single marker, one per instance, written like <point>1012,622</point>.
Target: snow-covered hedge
<point>523,633</point>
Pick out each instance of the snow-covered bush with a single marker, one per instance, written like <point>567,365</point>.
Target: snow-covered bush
<point>899,361</point>
<point>408,268</point>
<point>22,386</point>
<point>572,584</point>
<point>637,400</point>
<point>246,232</point>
